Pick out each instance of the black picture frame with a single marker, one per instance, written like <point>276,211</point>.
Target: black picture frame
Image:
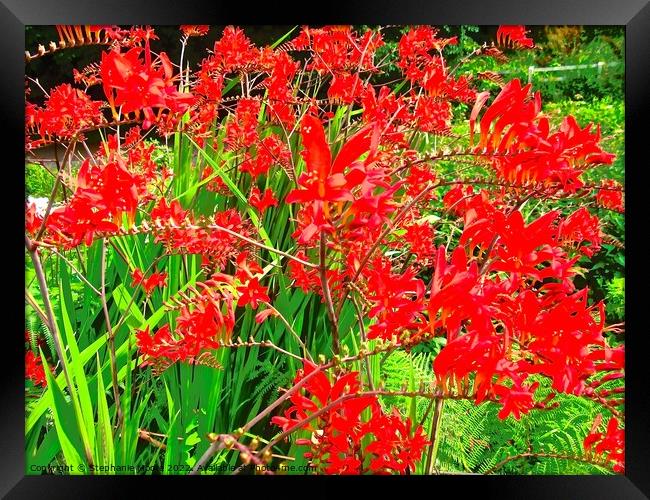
<point>633,14</point>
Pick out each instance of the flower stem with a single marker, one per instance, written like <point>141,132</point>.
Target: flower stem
<point>327,295</point>
<point>435,441</point>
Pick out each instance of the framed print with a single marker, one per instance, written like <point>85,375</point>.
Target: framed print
<point>362,245</point>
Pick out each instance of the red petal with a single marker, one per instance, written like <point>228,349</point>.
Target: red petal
<point>317,153</point>
<point>352,149</point>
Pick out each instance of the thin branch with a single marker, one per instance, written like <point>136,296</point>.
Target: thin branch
<point>76,271</point>
<point>327,294</point>
<point>35,306</point>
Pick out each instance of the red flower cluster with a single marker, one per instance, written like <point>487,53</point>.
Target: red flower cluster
<point>340,432</point>
<point>343,54</point>
<point>204,322</point>
<point>517,139</point>
<point>241,131</point>
<point>325,180</point>
<point>195,29</point>
<point>175,229</point>
<point>514,36</point>
<point>498,287</point>
<point>133,84</point>
<point>610,446</point>
<point>430,71</point>
<point>610,195</point>
<point>397,300</point>
<point>548,330</point>
<point>103,195</point>
<point>270,151</point>
<point>262,202</point>
<point>207,318</point>
<point>148,284</point>
<point>34,369</point>
<point>250,290</point>
<point>67,112</point>
<point>234,52</point>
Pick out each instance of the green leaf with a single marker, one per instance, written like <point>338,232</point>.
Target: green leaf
<point>65,424</point>
<point>105,452</point>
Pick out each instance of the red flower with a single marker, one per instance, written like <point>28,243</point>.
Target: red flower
<point>515,36</point>
<point>252,293</point>
<point>397,300</point>
<point>580,227</point>
<point>34,369</point>
<point>67,112</point>
<point>195,29</point>
<point>345,88</point>
<point>266,201</point>
<point>324,179</point>
<point>610,195</point>
<point>148,284</point>
<point>250,290</point>
<point>515,400</point>
<point>610,446</point>
<point>136,85</point>
<point>432,115</point>
<point>270,151</point>
<point>339,435</point>
<point>204,321</point>
<point>241,131</point>
<point>396,448</point>
<point>338,48</point>
<point>513,124</point>
<point>234,51</point>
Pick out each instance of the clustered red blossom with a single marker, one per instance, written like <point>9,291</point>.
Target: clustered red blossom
<point>67,112</point>
<point>206,319</point>
<point>34,369</point>
<point>203,323</point>
<point>337,435</point>
<point>609,446</point>
<point>515,36</point>
<point>175,229</point>
<point>134,82</point>
<point>148,284</point>
<point>103,194</point>
<point>195,29</point>
<point>504,299</point>
<point>610,195</point>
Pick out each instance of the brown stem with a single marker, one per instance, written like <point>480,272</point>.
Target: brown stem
<point>39,311</point>
<point>146,436</point>
<point>327,295</point>
<point>435,427</point>
<point>50,202</point>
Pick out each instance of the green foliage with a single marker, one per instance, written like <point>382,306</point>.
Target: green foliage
<point>615,299</point>
<point>475,440</point>
<point>38,182</point>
